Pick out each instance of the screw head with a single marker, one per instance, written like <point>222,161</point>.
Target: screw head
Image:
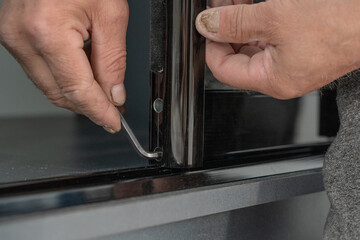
<point>158,105</point>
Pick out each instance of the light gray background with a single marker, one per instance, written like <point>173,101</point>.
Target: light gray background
<point>18,96</point>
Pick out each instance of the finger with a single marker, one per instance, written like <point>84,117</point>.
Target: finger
<point>235,24</point>
<point>261,45</point>
<point>236,70</point>
<point>73,74</point>
<point>108,55</point>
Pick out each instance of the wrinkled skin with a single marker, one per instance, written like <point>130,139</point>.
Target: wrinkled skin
<point>282,48</point>
<point>47,39</point>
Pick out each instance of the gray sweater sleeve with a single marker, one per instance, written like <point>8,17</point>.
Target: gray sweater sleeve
<point>342,165</point>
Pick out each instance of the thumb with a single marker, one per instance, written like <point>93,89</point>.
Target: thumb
<point>108,53</point>
<point>241,23</point>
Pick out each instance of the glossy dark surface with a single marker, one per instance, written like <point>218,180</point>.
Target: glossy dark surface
<point>178,130</point>
<point>52,163</point>
<point>58,193</point>
<point>38,148</point>
<point>238,122</point>
<point>35,148</point>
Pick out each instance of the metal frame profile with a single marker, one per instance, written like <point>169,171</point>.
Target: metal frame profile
<point>178,128</point>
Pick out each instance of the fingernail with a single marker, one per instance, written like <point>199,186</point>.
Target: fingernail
<point>210,20</point>
<point>118,94</point>
<point>109,130</point>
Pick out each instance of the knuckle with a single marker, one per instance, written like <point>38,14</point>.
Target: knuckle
<point>218,76</point>
<point>79,95</point>
<point>76,93</point>
<point>238,24</point>
<point>273,22</point>
<point>280,85</point>
<point>56,98</point>
<point>101,115</point>
<point>115,61</point>
<point>233,23</point>
<point>96,109</point>
<point>38,27</point>
<point>43,26</point>
<point>214,66</point>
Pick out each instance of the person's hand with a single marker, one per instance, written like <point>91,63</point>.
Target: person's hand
<point>47,39</point>
<point>283,49</point>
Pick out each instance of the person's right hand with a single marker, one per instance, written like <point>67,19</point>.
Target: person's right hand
<point>47,39</point>
<point>284,49</point>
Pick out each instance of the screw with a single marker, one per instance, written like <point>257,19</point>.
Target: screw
<point>158,105</point>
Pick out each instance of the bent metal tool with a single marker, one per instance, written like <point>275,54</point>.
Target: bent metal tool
<point>148,155</point>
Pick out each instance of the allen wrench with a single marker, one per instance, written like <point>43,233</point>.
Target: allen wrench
<point>156,155</point>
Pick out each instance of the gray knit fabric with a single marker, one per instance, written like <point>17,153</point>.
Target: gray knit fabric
<point>342,166</point>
